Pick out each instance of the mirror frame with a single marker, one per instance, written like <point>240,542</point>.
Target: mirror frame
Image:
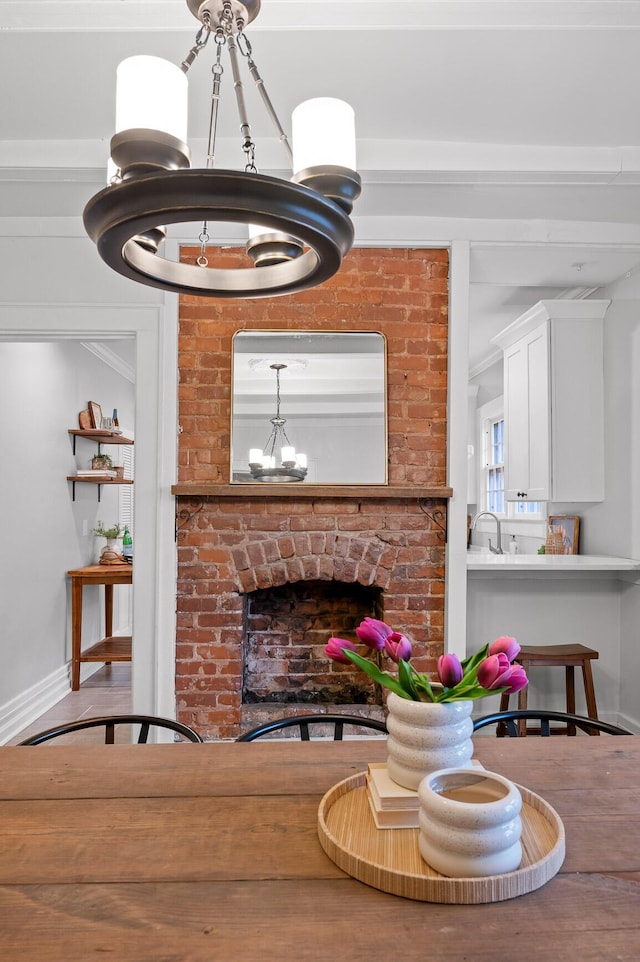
<point>313,333</point>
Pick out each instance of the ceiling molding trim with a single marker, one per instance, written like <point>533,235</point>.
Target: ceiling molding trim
<point>110,358</point>
<point>488,361</point>
<point>162,16</point>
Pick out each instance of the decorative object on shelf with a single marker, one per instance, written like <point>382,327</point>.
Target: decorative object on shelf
<point>84,420</point>
<point>429,722</point>
<point>470,825</point>
<point>127,546</point>
<point>109,554</point>
<point>102,462</point>
<point>299,229</point>
<point>565,530</point>
<point>262,464</point>
<point>553,543</point>
<point>95,412</point>
<point>111,534</point>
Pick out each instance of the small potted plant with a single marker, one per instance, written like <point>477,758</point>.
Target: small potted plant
<point>101,462</point>
<point>110,553</point>
<point>111,534</point>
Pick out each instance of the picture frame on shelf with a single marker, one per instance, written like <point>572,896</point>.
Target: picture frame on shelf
<point>569,528</point>
<point>96,414</point>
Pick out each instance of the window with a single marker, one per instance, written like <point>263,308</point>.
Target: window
<point>494,465</point>
<point>125,491</point>
<point>491,491</point>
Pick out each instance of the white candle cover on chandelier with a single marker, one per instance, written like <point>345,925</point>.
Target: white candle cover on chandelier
<point>288,454</point>
<point>151,93</point>
<point>302,460</point>
<point>323,132</point>
<point>256,456</point>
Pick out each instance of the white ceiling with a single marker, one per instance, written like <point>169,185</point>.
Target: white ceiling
<point>514,125</point>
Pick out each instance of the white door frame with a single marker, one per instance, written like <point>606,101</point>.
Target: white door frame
<point>155,329</point>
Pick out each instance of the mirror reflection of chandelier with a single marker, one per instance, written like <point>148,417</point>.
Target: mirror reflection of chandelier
<point>262,463</point>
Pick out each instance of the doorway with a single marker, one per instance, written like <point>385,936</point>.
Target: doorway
<point>154,329</point>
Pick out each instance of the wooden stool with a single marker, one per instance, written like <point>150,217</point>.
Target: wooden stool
<point>569,656</point>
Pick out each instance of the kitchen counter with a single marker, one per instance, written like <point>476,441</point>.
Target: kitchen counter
<point>488,562</point>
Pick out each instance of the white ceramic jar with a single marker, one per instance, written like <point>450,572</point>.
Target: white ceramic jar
<point>426,736</point>
<point>470,823</point>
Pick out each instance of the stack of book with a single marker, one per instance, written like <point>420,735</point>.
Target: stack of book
<point>392,806</point>
<point>91,473</point>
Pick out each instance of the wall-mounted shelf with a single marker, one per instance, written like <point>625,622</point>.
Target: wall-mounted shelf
<point>75,479</point>
<point>99,437</point>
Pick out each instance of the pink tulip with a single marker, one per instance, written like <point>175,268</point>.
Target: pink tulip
<point>509,646</point>
<point>492,669</point>
<point>517,679</point>
<point>335,649</point>
<point>449,670</point>
<point>398,646</point>
<point>373,633</point>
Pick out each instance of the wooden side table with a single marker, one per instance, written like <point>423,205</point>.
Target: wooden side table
<point>111,647</point>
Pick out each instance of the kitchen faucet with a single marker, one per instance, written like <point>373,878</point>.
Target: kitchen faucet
<point>498,549</point>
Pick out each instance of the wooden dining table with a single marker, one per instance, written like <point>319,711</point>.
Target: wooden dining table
<point>200,853</point>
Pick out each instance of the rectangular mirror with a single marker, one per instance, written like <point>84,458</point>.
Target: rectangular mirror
<point>309,407</point>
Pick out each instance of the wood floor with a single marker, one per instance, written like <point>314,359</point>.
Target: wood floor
<point>107,692</point>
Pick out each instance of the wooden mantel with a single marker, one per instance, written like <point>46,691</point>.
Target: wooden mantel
<point>202,489</point>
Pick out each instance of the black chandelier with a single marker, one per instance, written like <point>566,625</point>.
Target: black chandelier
<point>262,462</point>
<point>299,230</point>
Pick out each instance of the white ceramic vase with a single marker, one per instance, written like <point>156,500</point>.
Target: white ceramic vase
<point>470,823</point>
<point>110,554</point>
<point>426,736</point>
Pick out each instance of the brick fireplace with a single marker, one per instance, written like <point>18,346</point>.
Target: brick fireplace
<point>265,577</point>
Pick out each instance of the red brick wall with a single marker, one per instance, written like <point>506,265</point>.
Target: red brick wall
<point>230,546</point>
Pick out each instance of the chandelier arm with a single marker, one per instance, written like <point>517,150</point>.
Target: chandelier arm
<point>216,73</point>
<point>200,43</point>
<point>245,128</point>
<point>270,446</point>
<point>266,100</point>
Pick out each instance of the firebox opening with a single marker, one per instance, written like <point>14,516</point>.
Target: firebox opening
<point>287,628</point>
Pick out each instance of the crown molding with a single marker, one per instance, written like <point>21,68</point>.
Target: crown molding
<point>109,357</point>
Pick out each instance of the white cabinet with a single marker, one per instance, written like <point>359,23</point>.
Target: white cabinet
<point>554,402</point>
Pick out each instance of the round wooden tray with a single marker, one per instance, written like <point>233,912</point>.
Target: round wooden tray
<point>390,860</point>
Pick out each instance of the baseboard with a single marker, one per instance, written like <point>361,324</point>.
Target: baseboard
<point>625,721</point>
<point>25,708</point>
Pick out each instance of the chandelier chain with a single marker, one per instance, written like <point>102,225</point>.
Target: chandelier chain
<point>204,238</point>
<point>216,74</point>
<point>277,421</point>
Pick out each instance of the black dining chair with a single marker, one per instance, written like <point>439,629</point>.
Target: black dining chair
<point>507,720</point>
<point>109,723</point>
<point>304,723</point>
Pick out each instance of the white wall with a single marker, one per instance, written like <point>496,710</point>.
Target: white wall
<point>43,386</point>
